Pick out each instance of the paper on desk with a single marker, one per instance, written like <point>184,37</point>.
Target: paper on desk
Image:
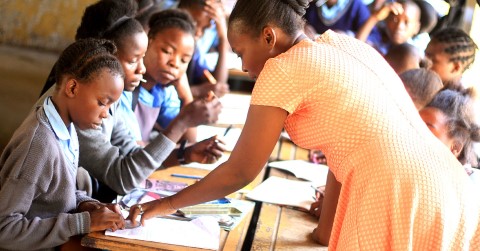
<point>316,173</point>
<point>234,109</point>
<point>282,191</point>
<point>205,132</point>
<point>202,232</point>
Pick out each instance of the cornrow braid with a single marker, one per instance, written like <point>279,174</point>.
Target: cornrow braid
<point>458,44</point>
<point>85,57</point>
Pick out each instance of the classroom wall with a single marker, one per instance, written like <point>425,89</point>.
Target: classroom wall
<point>44,24</point>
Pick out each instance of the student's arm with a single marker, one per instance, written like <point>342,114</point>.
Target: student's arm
<point>216,11</point>
<point>380,15</point>
<point>322,233</point>
<point>123,171</point>
<point>258,138</point>
<point>185,95</point>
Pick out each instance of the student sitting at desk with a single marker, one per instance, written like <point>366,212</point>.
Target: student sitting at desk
<point>338,95</point>
<point>41,208</point>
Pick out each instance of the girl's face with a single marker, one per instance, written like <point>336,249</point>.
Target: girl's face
<point>436,121</point>
<point>402,27</point>
<point>90,101</point>
<point>253,52</point>
<point>440,61</point>
<point>168,55</point>
<point>130,54</point>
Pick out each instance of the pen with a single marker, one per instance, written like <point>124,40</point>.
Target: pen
<point>226,130</point>
<point>209,77</point>
<point>186,176</point>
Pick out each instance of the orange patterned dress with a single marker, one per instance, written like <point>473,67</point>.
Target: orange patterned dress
<point>402,189</point>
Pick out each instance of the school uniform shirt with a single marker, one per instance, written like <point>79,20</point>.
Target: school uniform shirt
<point>38,171</point>
<point>126,113</point>
<point>345,15</point>
<point>401,188</point>
<point>161,105</point>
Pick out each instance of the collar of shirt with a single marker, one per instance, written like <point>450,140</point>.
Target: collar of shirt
<point>66,136</point>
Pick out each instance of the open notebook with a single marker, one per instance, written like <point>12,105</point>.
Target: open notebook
<point>316,173</point>
<point>202,232</point>
<point>283,191</point>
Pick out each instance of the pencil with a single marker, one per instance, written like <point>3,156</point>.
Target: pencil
<point>226,130</point>
<point>186,176</point>
<point>209,77</point>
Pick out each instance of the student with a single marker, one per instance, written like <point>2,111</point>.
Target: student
<point>403,57</point>
<point>422,85</point>
<point>345,16</point>
<point>171,46</point>
<point>41,208</point>
<point>110,154</point>
<point>375,142</point>
<point>450,117</point>
<point>210,34</point>
<point>402,22</point>
<point>451,52</point>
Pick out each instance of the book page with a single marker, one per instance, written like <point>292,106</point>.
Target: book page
<point>282,191</point>
<point>202,232</point>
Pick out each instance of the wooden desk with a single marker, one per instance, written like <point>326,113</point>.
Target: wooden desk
<point>232,240</point>
<point>283,228</point>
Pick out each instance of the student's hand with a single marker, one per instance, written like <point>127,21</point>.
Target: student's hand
<point>202,90</point>
<point>316,207</point>
<point>216,12</point>
<point>201,111</point>
<point>104,218</point>
<point>384,12</point>
<point>207,151</point>
<point>88,206</point>
<point>151,209</point>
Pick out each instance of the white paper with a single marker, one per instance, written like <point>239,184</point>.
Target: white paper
<point>202,232</point>
<point>234,109</point>
<point>282,191</point>
<point>205,132</point>
<point>316,173</point>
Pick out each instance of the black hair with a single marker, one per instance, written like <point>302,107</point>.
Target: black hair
<point>458,44</point>
<point>253,16</point>
<point>109,19</point>
<point>457,103</point>
<point>86,57</point>
<point>173,18</point>
<point>428,16</point>
<point>191,4</point>
<point>422,85</point>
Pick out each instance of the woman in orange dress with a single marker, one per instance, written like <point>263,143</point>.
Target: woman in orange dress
<point>401,188</point>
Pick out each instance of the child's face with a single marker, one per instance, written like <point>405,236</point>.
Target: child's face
<point>168,55</point>
<point>440,61</point>
<point>92,100</point>
<point>130,55</point>
<point>436,121</point>
<point>203,21</point>
<point>402,27</point>
<point>252,51</point>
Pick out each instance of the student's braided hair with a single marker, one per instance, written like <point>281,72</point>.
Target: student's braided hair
<point>253,16</point>
<point>109,19</point>
<point>458,44</point>
<point>457,103</point>
<point>173,18</point>
<point>87,57</point>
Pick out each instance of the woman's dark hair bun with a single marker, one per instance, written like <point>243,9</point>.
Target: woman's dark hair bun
<point>299,6</point>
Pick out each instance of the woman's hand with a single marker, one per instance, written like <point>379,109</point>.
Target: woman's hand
<point>151,209</point>
<point>207,151</point>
